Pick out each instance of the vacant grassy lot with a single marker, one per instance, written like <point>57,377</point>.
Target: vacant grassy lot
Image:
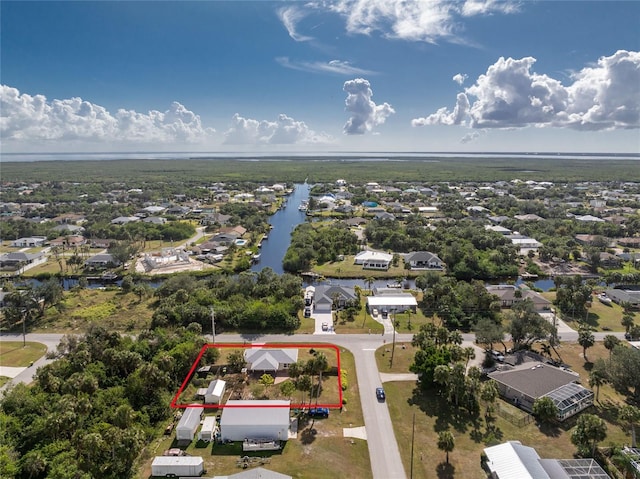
<point>434,414</point>
<point>601,317</point>
<point>320,451</point>
<point>15,354</point>
<point>111,308</point>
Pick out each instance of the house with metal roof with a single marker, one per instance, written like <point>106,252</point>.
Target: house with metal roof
<point>374,260</point>
<point>255,420</point>
<point>513,460</point>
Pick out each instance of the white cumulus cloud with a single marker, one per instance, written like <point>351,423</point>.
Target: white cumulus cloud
<point>426,20</point>
<point>285,130</point>
<point>460,78</point>
<point>510,95</point>
<point>365,114</point>
<point>26,118</point>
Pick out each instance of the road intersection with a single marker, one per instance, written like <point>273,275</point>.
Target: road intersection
<point>384,453</point>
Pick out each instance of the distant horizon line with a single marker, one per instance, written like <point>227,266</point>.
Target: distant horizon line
<point>250,154</point>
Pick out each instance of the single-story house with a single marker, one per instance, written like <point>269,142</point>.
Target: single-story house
<point>101,243</point>
<point>215,391</point>
<point>73,240</point>
<point>156,220</point>
<point>423,260</point>
<point>330,297</point>
<point>29,242</point>
<point>523,242</point>
<point>512,460</point>
<point>68,228</point>
<point>255,419</point>
<point>103,260</point>
<point>525,383</point>
<point>224,238</point>
<point>509,294</point>
<point>498,229</point>
<point>189,423</point>
<point>123,220</point>
<point>17,260</point>
<point>398,302</point>
<point>258,473</point>
<point>270,359</point>
<point>625,294</point>
<point>374,260</point>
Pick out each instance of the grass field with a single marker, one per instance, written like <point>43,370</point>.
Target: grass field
<point>15,354</point>
<point>320,446</point>
<point>472,434</point>
<point>601,317</point>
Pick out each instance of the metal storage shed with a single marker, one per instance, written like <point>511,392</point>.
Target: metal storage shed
<point>209,427</point>
<point>177,466</point>
<point>189,423</point>
<point>263,420</point>
<point>215,391</point>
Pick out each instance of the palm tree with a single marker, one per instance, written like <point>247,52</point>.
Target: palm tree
<point>630,415</point>
<point>597,379</point>
<point>610,342</point>
<point>446,442</point>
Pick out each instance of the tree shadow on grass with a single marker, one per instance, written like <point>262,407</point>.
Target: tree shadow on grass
<point>549,429</point>
<point>308,436</point>
<point>445,471</point>
<point>433,405</point>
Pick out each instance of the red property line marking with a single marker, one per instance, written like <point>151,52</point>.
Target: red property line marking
<point>185,383</point>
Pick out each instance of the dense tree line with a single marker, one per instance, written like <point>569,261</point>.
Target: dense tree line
<point>313,243</point>
<point>459,304</point>
<point>246,302</point>
<point>90,412</point>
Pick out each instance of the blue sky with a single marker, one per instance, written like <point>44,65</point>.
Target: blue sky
<point>320,76</point>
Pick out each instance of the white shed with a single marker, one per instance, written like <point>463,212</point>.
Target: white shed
<point>209,427</point>
<point>189,423</point>
<point>215,391</point>
<point>246,419</point>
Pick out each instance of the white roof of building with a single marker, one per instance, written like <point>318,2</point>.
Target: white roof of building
<point>512,460</point>
<point>177,461</point>
<point>255,412</point>
<point>216,387</point>
<point>388,300</point>
<point>377,255</point>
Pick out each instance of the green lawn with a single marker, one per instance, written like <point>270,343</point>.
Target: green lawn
<point>14,354</point>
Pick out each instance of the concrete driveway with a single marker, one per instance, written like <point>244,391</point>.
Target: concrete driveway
<point>323,318</point>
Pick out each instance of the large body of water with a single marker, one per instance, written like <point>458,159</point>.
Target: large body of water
<point>283,222</point>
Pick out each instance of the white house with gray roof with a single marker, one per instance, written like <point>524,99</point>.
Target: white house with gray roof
<point>270,359</point>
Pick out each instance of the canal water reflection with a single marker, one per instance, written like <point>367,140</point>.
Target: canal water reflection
<point>283,222</point>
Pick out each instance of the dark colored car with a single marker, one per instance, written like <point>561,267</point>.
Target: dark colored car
<point>319,412</point>
<point>380,394</point>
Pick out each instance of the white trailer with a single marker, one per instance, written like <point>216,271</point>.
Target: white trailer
<point>209,428</point>
<point>174,466</point>
<point>189,423</point>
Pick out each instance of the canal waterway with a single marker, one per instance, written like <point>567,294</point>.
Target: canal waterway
<point>283,223</point>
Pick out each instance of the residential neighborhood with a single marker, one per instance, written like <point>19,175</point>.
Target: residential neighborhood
<point>487,297</point>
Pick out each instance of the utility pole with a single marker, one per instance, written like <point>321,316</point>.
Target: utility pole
<point>393,347</point>
<point>213,327</point>
<point>413,435</point>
